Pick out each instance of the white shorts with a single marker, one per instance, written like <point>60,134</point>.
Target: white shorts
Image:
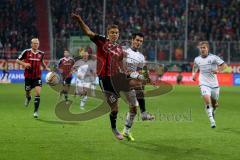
<point>213,92</point>
<point>81,87</point>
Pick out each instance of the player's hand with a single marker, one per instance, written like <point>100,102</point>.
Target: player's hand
<point>27,65</point>
<point>75,16</point>
<point>194,77</point>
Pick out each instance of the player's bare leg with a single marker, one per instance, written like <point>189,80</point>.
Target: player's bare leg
<point>84,98</point>
<point>215,105</point>
<point>37,101</point>
<point>28,98</point>
<point>64,91</point>
<point>209,109</point>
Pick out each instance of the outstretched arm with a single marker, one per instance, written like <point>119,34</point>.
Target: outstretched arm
<point>83,26</point>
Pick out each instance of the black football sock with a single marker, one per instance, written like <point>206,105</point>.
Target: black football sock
<point>113,119</point>
<point>28,97</point>
<point>36,103</point>
<point>66,96</point>
<point>141,102</point>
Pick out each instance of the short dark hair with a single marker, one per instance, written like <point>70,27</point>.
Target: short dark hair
<point>134,35</point>
<point>112,26</point>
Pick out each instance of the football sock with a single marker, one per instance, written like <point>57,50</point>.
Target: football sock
<point>129,121</point>
<point>113,119</point>
<point>36,103</point>
<point>83,100</point>
<point>141,103</point>
<point>209,110</point>
<point>28,98</point>
<point>65,95</point>
<point>140,99</point>
<point>93,88</point>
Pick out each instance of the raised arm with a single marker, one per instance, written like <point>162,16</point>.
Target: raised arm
<point>83,26</point>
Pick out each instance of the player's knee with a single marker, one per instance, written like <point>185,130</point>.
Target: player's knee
<point>133,109</point>
<point>114,113</point>
<point>114,108</point>
<point>207,99</point>
<point>28,92</point>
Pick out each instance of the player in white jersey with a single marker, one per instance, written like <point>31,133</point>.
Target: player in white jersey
<point>134,63</point>
<point>208,65</point>
<point>85,75</point>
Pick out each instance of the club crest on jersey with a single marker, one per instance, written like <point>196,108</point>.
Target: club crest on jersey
<point>209,61</point>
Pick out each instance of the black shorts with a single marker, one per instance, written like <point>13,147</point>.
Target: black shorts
<point>120,82</point>
<point>67,81</point>
<point>107,87</point>
<point>115,84</point>
<point>32,83</point>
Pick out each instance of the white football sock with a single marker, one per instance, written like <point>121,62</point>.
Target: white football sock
<point>129,122</point>
<point>83,100</point>
<point>209,110</point>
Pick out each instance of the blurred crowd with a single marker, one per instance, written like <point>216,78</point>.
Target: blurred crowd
<point>159,20</point>
<point>214,20</point>
<point>17,27</point>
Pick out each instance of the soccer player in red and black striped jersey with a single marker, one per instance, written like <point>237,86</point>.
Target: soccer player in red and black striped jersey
<point>109,60</point>
<point>32,60</point>
<point>65,67</point>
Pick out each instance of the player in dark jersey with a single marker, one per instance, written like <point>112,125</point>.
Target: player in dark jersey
<point>109,60</point>
<point>65,67</point>
<point>32,60</point>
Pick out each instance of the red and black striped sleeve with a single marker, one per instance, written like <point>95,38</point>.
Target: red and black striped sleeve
<point>23,55</point>
<point>98,39</point>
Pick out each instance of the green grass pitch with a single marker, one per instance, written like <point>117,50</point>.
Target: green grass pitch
<point>181,130</point>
